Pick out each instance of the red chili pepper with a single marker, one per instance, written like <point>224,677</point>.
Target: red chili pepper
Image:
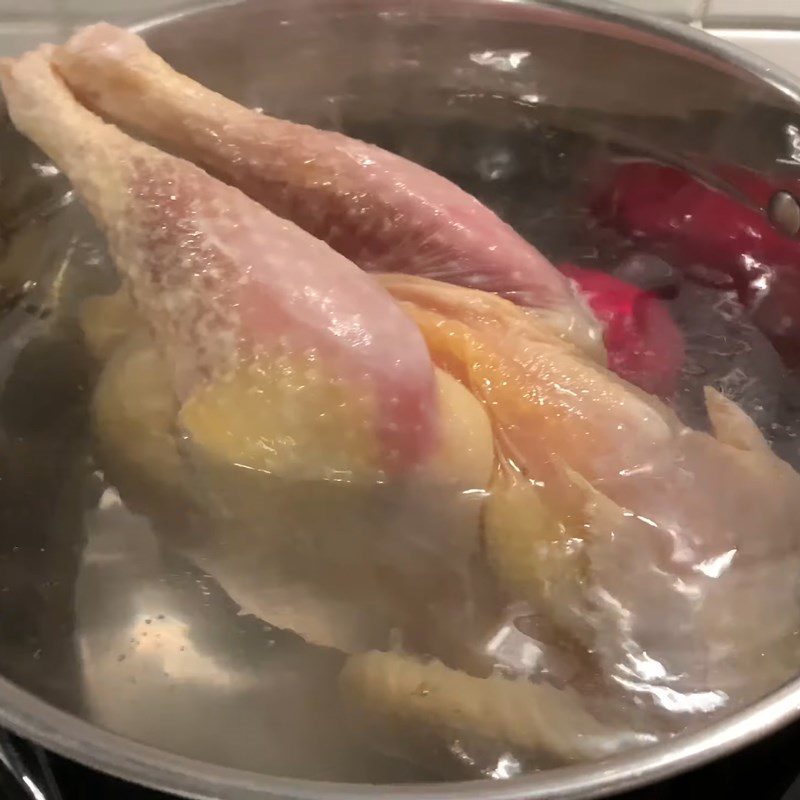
<point>712,237</point>
<point>644,345</point>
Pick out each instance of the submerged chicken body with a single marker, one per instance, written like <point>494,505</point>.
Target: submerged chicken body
<point>402,460</point>
<point>260,379</point>
<point>671,554</point>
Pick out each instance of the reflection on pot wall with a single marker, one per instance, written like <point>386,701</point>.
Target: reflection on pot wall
<point>769,28</point>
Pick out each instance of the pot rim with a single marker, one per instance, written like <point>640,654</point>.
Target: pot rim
<point>66,734</point>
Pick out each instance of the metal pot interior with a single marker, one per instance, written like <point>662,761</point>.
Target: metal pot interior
<point>523,104</point>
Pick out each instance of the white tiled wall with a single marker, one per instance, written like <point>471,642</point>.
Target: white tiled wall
<point>734,11</point>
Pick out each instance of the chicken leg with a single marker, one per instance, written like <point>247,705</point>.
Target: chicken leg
<point>224,284</point>
<point>380,210</point>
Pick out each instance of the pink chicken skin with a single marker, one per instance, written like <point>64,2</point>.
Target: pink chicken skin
<point>221,279</point>
<point>713,236</point>
<point>643,343</point>
<point>381,211</point>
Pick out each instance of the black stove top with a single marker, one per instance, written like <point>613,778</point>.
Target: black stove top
<point>768,770</point>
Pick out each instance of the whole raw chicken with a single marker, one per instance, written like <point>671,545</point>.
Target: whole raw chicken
<point>431,470</point>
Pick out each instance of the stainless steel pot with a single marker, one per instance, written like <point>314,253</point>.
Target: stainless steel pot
<point>116,654</point>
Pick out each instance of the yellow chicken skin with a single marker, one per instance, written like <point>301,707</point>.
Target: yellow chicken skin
<point>667,552</point>
<point>545,397</point>
<point>557,532</point>
<point>297,552</point>
<point>314,538</point>
<point>393,693</point>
